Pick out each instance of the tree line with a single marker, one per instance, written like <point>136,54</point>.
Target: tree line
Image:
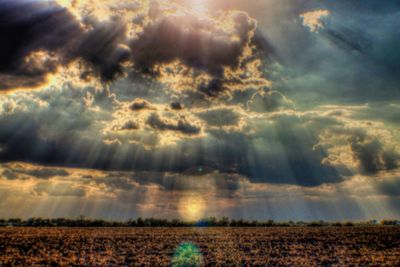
<point>154,222</point>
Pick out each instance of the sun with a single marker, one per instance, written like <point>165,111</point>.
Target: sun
<point>192,207</point>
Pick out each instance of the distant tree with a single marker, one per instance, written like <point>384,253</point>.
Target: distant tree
<point>14,221</point>
<point>316,224</point>
<point>131,223</point>
<point>270,223</point>
<point>140,222</point>
<point>389,222</point>
<point>154,222</point>
<point>224,221</point>
<point>175,222</point>
<point>207,222</point>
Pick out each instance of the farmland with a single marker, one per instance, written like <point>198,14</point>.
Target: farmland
<point>274,246</point>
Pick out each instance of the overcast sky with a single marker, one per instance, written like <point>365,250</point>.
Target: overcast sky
<point>259,109</point>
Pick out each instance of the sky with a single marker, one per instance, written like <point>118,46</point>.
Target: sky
<point>258,109</point>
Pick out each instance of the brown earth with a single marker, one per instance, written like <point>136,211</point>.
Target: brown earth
<point>275,246</point>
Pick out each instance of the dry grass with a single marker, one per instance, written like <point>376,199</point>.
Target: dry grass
<point>342,246</point>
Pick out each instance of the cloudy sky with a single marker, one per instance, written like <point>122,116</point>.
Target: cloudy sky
<point>259,109</point>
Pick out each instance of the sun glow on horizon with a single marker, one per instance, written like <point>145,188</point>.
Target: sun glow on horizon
<point>192,207</point>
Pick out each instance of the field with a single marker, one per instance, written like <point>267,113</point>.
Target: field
<point>275,246</point>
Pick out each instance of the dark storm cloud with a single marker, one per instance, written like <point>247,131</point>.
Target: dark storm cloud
<point>32,27</point>
<point>190,40</point>
<point>130,125</point>
<point>389,187</point>
<point>278,152</point>
<point>45,173</point>
<point>212,88</point>
<point>103,47</point>
<point>15,172</point>
<point>182,125</point>
<point>64,131</point>
<point>59,189</point>
<point>140,104</point>
<point>9,174</point>
<point>44,140</point>
<point>229,183</point>
<point>61,119</point>
<point>187,181</point>
<point>21,141</point>
<point>114,181</point>
<point>284,152</point>
<point>201,44</point>
<point>176,106</point>
<point>371,154</point>
<point>28,26</point>
<point>220,117</point>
